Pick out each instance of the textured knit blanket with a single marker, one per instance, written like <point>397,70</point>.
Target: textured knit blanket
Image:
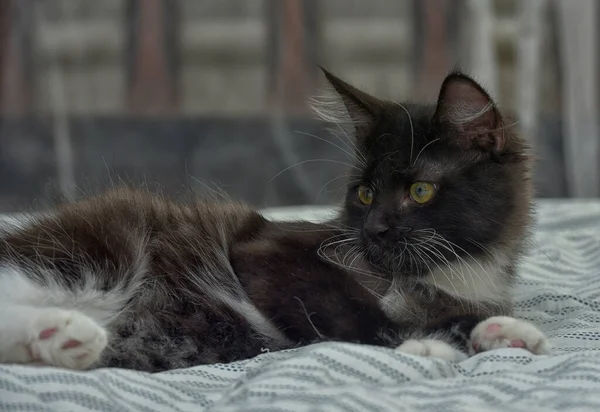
<point>559,290</point>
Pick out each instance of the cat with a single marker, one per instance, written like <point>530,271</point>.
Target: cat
<point>422,256</point>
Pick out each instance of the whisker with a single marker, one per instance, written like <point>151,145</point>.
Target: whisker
<point>434,251</point>
<point>308,317</point>
<point>422,149</point>
<point>321,254</point>
<point>412,130</point>
<point>424,259</point>
<point>482,247</point>
<point>473,271</point>
<point>352,155</point>
<point>337,178</point>
<point>311,161</point>
<point>311,230</point>
<point>460,261</point>
<point>437,239</point>
<point>349,141</point>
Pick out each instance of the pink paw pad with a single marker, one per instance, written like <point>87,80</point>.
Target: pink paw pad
<point>70,344</point>
<point>47,333</point>
<point>492,328</point>
<point>517,344</point>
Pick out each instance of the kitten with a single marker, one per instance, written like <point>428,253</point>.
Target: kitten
<point>442,195</point>
<point>422,256</point>
<point>441,202</point>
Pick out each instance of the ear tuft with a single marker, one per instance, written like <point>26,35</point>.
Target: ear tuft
<point>342,103</point>
<point>471,112</point>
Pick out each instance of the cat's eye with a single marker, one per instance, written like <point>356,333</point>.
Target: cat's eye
<point>365,194</point>
<point>422,192</point>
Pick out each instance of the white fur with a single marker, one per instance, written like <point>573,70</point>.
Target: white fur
<point>471,279</point>
<point>18,289</point>
<point>27,309</point>
<point>87,297</point>
<point>462,114</point>
<point>227,289</point>
<point>500,331</point>
<point>393,304</point>
<point>432,348</point>
<point>256,319</point>
<point>329,107</point>
<point>80,314</point>
<point>233,296</point>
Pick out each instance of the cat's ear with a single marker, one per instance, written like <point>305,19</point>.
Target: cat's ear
<point>471,112</point>
<point>342,103</point>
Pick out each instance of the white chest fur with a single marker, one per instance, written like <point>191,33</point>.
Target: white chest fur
<point>471,279</point>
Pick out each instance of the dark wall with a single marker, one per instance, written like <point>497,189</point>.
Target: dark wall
<point>241,156</point>
<point>244,157</point>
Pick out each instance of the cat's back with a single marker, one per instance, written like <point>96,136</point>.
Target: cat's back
<point>122,229</point>
<point>126,208</point>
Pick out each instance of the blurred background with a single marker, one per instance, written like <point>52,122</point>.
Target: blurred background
<point>188,94</point>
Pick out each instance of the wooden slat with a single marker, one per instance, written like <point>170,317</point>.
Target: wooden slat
<point>16,68</point>
<point>436,60</point>
<point>152,56</point>
<point>529,66</point>
<point>484,64</point>
<point>294,30</point>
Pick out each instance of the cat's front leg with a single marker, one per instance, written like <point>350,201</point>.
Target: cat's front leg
<point>432,348</point>
<point>446,339</point>
<point>50,336</point>
<point>462,336</point>
<point>508,332</point>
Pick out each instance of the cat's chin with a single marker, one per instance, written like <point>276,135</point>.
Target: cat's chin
<point>388,260</point>
<point>385,259</point>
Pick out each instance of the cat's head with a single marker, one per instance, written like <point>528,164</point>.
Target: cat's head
<point>433,184</point>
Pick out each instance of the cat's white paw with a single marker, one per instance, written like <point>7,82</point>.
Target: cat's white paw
<point>432,348</point>
<point>508,332</point>
<point>66,339</point>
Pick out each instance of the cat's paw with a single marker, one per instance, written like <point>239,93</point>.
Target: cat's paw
<point>432,348</point>
<point>67,339</point>
<point>508,332</point>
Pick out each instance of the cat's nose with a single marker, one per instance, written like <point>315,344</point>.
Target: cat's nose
<point>382,232</point>
<point>378,231</point>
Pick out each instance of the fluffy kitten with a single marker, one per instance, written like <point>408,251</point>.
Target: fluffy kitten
<point>422,255</point>
<point>441,197</point>
<point>440,201</point>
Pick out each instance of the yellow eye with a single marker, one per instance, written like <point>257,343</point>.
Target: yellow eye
<point>365,194</point>
<point>422,192</point>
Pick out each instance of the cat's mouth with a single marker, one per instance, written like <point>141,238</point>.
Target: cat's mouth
<point>405,256</point>
<point>390,257</point>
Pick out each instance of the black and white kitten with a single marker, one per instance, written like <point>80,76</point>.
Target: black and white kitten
<point>422,256</point>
